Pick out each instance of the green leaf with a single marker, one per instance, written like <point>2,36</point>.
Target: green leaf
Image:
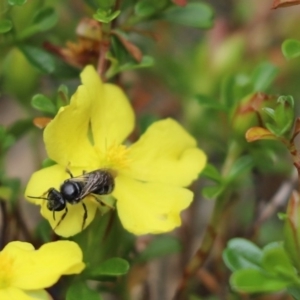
<point>256,281</point>
<point>146,120</point>
<point>274,129</point>
<point>212,192</point>
<point>110,268</point>
<point>160,246</point>
<point>241,166</point>
<point>270,112</point>
<point>45,18</point>
<point>228,91</point>
<point>144,9</point>
<point>209,102</point>
<point>199,15</point>
<point>263,76</point>
<point>92,4</point>
<point>212,173</point>
<point>276,261</point>
<point>16,2</point>
<point>116,68</point>
<point>14,185</point>
<point>105,4</point>
<point>291,48</point>
<point>80,290</point>
<point>106,16</point>
<point>5,193</point>
<point>5,25</point>
<point>147,8</point>
<point>6,140</point>
<point>48,162</point>
<point>241,254</point>
<point>63,89</point>
<point>294,291</point>
<point>44,104</point>
<point>62,96</point>
<point>20,127</point>
<point>284,113</point>
<point>39,58</point>
<point>44,231</point>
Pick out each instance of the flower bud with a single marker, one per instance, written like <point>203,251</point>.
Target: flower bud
<point>248,112</point>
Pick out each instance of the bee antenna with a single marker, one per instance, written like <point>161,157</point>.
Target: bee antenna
<point>37,197</point>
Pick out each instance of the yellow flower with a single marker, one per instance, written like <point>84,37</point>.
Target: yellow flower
<point>25,272</point>
<point>151,174</point>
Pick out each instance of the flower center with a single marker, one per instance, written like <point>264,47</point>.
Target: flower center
<point>6,263</point>
<point>116,157</point>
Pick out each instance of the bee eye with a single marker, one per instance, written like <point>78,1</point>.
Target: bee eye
<point>70,190</point>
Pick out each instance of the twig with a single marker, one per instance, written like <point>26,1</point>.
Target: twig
<point>278,200</point>
<point>23,226</point>
<point>104,48</point>
<point>199,258</point>
<point>203,251</point>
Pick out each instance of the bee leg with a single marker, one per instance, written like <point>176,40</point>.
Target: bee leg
<point>98,200</point>
<point>54,215</point>
<point>69,172</point>
<point>102,203</point>
<point>62,218</point>
<point>85,215</point>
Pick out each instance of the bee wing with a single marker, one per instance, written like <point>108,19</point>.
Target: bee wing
<point>91,182</point>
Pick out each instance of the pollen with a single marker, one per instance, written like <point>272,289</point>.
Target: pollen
<point>116,156</point>
<point>6,266</point>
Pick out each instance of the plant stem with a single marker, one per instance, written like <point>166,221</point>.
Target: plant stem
<point>104,48</point>
<point>212,228</point>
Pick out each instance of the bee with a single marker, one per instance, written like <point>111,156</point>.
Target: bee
<point>75,189</point>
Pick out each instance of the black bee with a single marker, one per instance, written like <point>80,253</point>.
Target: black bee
<point>75,189</point>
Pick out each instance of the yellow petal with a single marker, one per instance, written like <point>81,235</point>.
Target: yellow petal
<point>17,246</point>
<point>42,180</point>
<point>112,117</point>
<point>38,295</point>
<point>149,207</point>
<point>73,220</point>
<point>53,177</point>
<point>13,293</point>
<point>43,267</point>
<point>166,153</point>
<point>66,136</point>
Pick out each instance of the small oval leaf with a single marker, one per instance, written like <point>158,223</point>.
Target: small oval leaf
<point>199,15</point>
<point>259,133</point>
<point>290,48</point>
<point>212,173</point>
<point>5,26</point>
<point>242,254</point>
<point>81,291</point>
<point>17,2</point>
<point>39,58</point>
<point>112,267</point>
<point>160,246</point>
<point>284,3</point>
<point>256,281</point>
<point>263,76</point>
<point>45,18</point>
<point>212,192</point>
<point>42,103</point>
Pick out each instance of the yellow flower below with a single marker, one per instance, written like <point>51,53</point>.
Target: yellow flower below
<point>150,175</point>
<point>25,272</point>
